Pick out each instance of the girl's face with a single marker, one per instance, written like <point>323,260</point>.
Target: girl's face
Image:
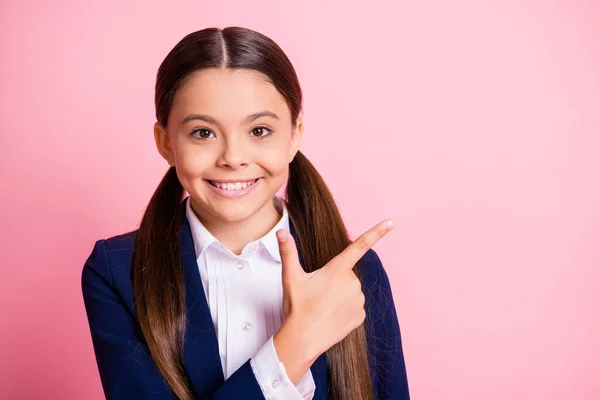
<point>229,125</point>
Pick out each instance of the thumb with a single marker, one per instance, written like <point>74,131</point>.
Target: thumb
<point>291,270</point>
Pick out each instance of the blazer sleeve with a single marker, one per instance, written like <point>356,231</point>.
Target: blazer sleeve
<point>126,368</point>
<point>386,341</point>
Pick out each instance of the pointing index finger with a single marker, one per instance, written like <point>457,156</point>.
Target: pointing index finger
<point>351,254</point>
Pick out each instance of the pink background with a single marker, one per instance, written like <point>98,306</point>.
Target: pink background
<point>477,127</point>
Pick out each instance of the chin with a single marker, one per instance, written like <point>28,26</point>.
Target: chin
<point>234,214</point>
<point>231,210</point>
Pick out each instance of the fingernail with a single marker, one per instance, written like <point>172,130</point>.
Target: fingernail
<point>389,224</point>
<point>281,236</point>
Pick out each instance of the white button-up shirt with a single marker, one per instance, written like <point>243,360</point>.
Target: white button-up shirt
<point>245,295</point>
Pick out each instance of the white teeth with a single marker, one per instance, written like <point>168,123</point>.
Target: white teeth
<point>233,185</point>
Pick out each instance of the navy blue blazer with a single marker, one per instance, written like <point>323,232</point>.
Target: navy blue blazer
<point>127,370</point>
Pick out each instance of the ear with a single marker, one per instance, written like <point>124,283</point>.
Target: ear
<point>296,139</point>
<point>162,143</point>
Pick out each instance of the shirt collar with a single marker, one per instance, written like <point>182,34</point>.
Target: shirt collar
<point>203,238</point>
<point>270,239</point>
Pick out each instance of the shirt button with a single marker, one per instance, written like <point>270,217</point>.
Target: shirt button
<point>275,383</point>
<point>240,265</point>
<point>246,326</point>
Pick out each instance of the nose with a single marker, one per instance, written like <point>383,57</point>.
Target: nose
<point>233,154</point>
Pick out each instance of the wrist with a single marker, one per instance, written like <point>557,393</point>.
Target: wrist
<point>294,349</point>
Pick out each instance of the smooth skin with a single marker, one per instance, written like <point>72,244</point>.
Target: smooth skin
<point>230,145</point>
<point>217,130</point>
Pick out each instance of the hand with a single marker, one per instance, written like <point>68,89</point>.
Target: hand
<point>322,307</point>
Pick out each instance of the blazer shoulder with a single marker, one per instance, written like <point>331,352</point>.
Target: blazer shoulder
<point>111,254</point>
<point>376,286</point>
<point>373,270</point>
<point>122,242</point>
<point>108,269</point>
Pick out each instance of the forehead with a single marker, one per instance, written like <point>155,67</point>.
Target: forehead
<point>227,94</point>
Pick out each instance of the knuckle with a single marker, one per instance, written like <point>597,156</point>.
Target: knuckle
<point>362,244</point>
<point>360,302</point>
<point>360,317</point>
<point>283,248</point>
<point>361,298</point>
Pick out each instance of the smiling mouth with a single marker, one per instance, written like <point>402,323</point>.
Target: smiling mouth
<point>233,186</point>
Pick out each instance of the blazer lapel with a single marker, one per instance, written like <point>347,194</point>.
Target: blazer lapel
<point>201,346</point>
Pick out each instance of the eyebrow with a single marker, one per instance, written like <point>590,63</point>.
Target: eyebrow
<point>246,120</point>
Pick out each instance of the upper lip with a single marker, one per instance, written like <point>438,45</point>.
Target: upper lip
<point>232,180</point>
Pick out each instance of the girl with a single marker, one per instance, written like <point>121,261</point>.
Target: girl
<point>234,291</point>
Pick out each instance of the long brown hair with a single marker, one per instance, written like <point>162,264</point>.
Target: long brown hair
<point>158,278</point>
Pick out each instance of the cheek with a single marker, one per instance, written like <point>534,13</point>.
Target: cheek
<point>276,162</point>
<point>190,161</point>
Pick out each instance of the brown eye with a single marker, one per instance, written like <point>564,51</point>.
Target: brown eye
<point>261,132</point>
<point>201,133</point>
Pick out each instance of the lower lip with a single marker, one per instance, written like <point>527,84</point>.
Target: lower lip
<point>234,194</point>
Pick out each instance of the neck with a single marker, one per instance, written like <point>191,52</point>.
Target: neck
<point>236,235</point>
